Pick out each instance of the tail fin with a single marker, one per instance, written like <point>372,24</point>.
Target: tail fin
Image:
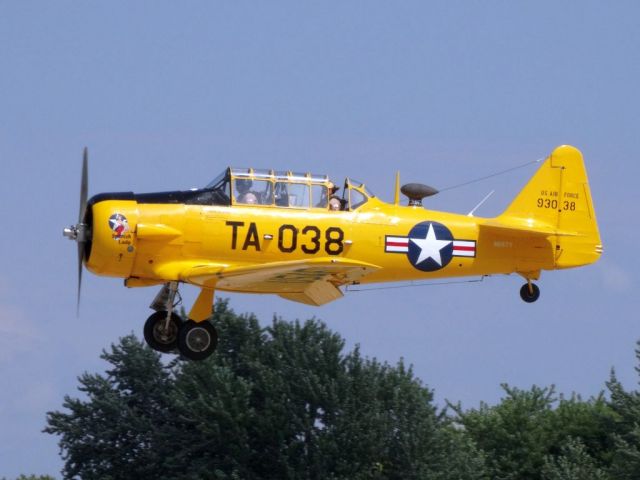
<point>558,199</point>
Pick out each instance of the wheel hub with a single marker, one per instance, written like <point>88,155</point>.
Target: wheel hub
<point>164,334</point>
<point>198,339</point>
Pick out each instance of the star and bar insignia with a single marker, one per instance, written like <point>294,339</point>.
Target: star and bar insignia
<point>430,246</point>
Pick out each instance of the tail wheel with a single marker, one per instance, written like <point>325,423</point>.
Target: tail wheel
<point>529,292</point>
<point>197,340</point>
<point>159,335</point>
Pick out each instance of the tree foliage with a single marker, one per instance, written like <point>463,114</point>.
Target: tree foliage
<point>278,402</point>
<point>287,402</point>
<point>113,429</point>
<point>574,463</point>
<point>626,430</point>
<point>532,433</point>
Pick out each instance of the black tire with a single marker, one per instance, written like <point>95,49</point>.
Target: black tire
<point>154,335</point>
<point>197,340</point>
<point>529,296</point>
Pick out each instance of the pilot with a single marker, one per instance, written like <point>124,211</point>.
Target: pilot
<point>242,186</point>
<point>332,188</point>
<point>335,204</point>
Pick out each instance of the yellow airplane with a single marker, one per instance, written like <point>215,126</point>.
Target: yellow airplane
<point>288,233</point>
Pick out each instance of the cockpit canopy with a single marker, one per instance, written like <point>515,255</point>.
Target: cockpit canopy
<point>247,186</point>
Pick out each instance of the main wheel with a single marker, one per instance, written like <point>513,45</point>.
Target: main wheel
<point>157,336</point>
<point>529,295</point>
<point>197,340</point>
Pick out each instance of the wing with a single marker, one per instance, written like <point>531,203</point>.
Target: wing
<point>312,281</point>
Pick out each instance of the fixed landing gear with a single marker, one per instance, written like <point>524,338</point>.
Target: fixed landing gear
<point>160,334</point>
<point>194,340</point>
<point>529,292</point>
<point>197,340</point>
<point>165,331</point>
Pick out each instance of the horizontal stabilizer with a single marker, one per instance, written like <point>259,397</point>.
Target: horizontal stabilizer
<point>524,229</point>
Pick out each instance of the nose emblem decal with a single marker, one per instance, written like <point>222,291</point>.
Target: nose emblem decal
<point>119,225</point>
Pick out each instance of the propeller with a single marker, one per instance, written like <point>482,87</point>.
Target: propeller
<point>80,231</point>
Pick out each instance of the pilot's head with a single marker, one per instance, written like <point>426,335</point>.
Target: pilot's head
<point>334,204</point>
<point>243,185</point>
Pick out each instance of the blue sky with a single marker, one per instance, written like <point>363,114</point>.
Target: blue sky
<point>166,95</point>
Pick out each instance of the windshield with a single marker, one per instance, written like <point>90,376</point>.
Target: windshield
<point>217,191</point>
<point>355,194</point>
<point>360,186</point>
<point>218,180</point>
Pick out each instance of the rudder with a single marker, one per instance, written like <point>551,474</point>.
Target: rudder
<point>558,198</point>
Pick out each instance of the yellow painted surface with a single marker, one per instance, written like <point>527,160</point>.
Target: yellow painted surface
<point>304,254</point>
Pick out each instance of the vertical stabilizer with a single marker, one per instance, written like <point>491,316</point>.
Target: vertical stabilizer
<point>558,198</point>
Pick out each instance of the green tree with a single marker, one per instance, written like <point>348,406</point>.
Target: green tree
<point>529,428</point>
<point>626,431</point>
<point>574,463</point>
<point>589,423</point>
<point>456,456</point>
<point>111,434</point>
<point>281,402</point>
<point>387,424</point>
<point>513,434</point>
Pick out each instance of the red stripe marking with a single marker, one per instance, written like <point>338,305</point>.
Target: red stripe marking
<point>465,249</point>
<point>397,244</point>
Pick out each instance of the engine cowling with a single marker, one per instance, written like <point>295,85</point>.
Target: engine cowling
<point>113,241</point>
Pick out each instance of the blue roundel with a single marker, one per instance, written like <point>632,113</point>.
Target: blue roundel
<point>430,246</point>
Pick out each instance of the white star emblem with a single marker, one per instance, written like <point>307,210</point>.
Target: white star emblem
<point>430,246</point>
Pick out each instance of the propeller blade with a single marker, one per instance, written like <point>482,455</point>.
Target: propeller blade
<point>81,246</point>
<point>84,185</point>
<point>81,228</point>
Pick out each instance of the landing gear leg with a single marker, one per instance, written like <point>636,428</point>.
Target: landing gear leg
<point>529,292</point>
<point>198,338</point>
<point>165,331</point>
<point>158,335</point>
<point>162,328</point>
<point>171,298</point>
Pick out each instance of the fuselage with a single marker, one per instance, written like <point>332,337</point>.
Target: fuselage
<point>134,238</point>
<point>278,232</point>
